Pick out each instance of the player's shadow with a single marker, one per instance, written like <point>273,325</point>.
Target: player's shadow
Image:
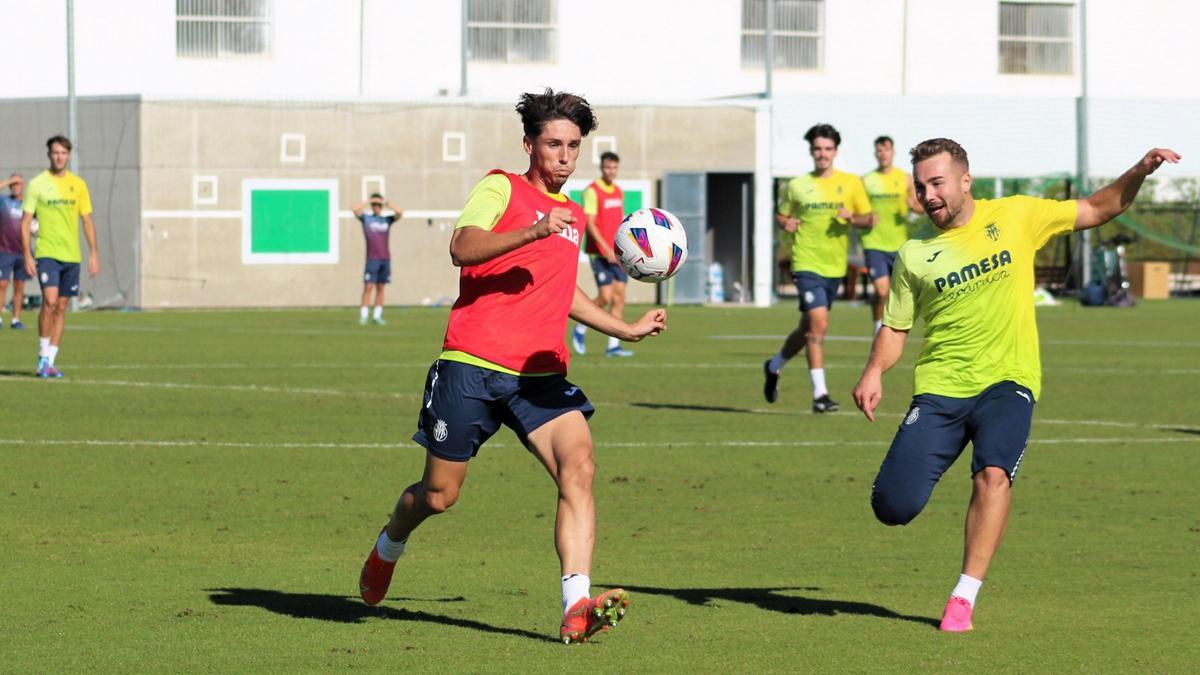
<point>774,599</point>
<point>345,609</point>
<point>696,408</point>
<point>1184,430</point>
<point>17,373</point>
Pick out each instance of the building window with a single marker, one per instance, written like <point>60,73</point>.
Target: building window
<point>1036,38</point>
<point>218,29</point>
<point>511,31</point>
<point>798,29</point>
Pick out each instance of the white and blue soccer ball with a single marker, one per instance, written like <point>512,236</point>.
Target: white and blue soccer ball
<point>651,244</point>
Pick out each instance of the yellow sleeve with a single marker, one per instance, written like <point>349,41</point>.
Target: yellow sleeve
<point>591,204</point>
<point>486,203</point>
<point>901,306</point>
<point>84,200</point>
<point>859,203</point>
<point>32,192</point>
<point>1051,217</point>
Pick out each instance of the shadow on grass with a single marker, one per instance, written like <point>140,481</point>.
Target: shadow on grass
<point>773,599</point>
<point>1183,430</point>
<point>697,408</point>
<point>346,609</point>
<point>18,373</point>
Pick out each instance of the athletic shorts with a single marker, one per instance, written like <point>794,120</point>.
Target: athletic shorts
<point>464,405</point>
<point>880,263</point>
<point>605,272</point>
<point>61,275</point>
<point>934,434</point>
<point>12,266</point>
<point>378,272</point>
<point>815,290</point>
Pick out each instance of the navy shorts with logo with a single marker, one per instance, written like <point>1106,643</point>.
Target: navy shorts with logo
<point>464,405</point>
<point>605,272</point>
<point>815,290</point>
<point>12,266</point>
<point>378,272</point>
<point>880,263</point>
<point>934,434</point>
<point>56,273</point>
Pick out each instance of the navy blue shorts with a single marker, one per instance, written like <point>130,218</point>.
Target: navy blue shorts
<point>378,272</point>
<point>879,262</point>
<point>815,290</point>
<point>62,275</point>
<point>605,272</point>
<point>464,405</point>
<point>12,266</point>
<point>934,434</point>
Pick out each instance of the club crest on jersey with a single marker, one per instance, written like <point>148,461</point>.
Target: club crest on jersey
<point>969,272</point>
<point>992,231</point>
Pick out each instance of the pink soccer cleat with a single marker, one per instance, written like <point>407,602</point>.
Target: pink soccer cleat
<point>957,616</point>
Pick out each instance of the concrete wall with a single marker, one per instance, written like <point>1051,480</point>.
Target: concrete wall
<point>191,252</point>
<point>108,160</point>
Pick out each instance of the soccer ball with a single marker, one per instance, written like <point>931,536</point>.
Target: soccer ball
<point>651,244</point>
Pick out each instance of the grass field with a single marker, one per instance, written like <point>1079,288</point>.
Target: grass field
<point>201,489</point>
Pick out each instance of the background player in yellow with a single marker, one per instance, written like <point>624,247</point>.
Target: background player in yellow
<point>969,277</point>
<point>58,198</point>
<point>819,207</point>
<point>892,196</point>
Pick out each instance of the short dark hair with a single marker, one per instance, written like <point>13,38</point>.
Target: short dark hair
<point>885,139</point>
<point>609,156</point>
<point>823,131</point>
<point>375,195</point>
<point>61,140</point>
<point>538,109</point>
<point>936,146</point>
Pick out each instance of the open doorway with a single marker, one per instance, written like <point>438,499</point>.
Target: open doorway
<point>717,211</point>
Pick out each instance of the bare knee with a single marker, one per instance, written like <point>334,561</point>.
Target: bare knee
<point>992,480</point>
<point>437,501</point>
<point>576,476</point>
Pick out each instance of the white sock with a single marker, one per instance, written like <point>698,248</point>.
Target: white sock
<point>580,329</point>
<point>878,325</point>
<point>43,346</point>
<point>613,343</point>
<point>388,550</point>
<point>777,363</point>
<point>52,354</point>
<point>362,312</point>
<point>574,587</point>
<point>967,588</point>
<point>818,380</point>
<point>378,311</point>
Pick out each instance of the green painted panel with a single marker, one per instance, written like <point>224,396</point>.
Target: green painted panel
<point>289,221</point>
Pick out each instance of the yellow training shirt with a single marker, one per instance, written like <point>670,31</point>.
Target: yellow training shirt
<point>888,193</point>
<point>973,287</point>
<point>822,240</point>
<point>58,202</point>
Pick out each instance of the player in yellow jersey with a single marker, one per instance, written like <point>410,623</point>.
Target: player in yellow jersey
<point>58,199</point>
<point>892,196</point>
<point>969,277</point>
<point>819,207</point>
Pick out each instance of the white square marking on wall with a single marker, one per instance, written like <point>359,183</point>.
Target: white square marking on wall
<point>602,144</point>
<point>291,147</point>
<point>204,190</point>
<point>372,185</point>
<point>454,146</point>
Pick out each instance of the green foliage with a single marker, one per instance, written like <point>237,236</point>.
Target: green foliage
<point>199,492</point>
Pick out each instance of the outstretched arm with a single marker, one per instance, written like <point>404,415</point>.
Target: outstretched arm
<point>587,312</point>
<point>1111,200</point>
<point>885,353</point>
<point>475,245</point>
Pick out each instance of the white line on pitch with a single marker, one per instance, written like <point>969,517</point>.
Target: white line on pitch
<point>865,338</point>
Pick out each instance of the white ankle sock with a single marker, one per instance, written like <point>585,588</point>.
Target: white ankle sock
<point>43,346</point>
<point>362,312</point>
<point>613,343</point>
<point>818,381</point>
<point>580,329</point>
<point>388,550</point>
<point>378,311</point>
<point>777,363</point>
<point>52,354</point>
<point>574,587</point>
<point>967,588</point>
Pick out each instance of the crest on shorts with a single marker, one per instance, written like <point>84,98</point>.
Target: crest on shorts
<point>440,431</point>
<point>913,416</point>
<point>809,297</point>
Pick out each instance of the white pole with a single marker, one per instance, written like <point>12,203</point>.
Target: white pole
<point>764,210</point>
<point>1081,140</point>
<point>71,130</point>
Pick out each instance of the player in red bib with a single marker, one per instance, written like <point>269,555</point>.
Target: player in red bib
<point>504,361</point>
<point>604,206</point>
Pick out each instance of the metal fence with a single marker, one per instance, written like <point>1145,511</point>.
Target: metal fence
<point>211,29</point>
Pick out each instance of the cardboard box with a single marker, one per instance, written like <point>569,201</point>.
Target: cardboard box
<point>1150,280</point>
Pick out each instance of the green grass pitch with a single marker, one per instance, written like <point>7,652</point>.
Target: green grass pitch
<point>199,493</point>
